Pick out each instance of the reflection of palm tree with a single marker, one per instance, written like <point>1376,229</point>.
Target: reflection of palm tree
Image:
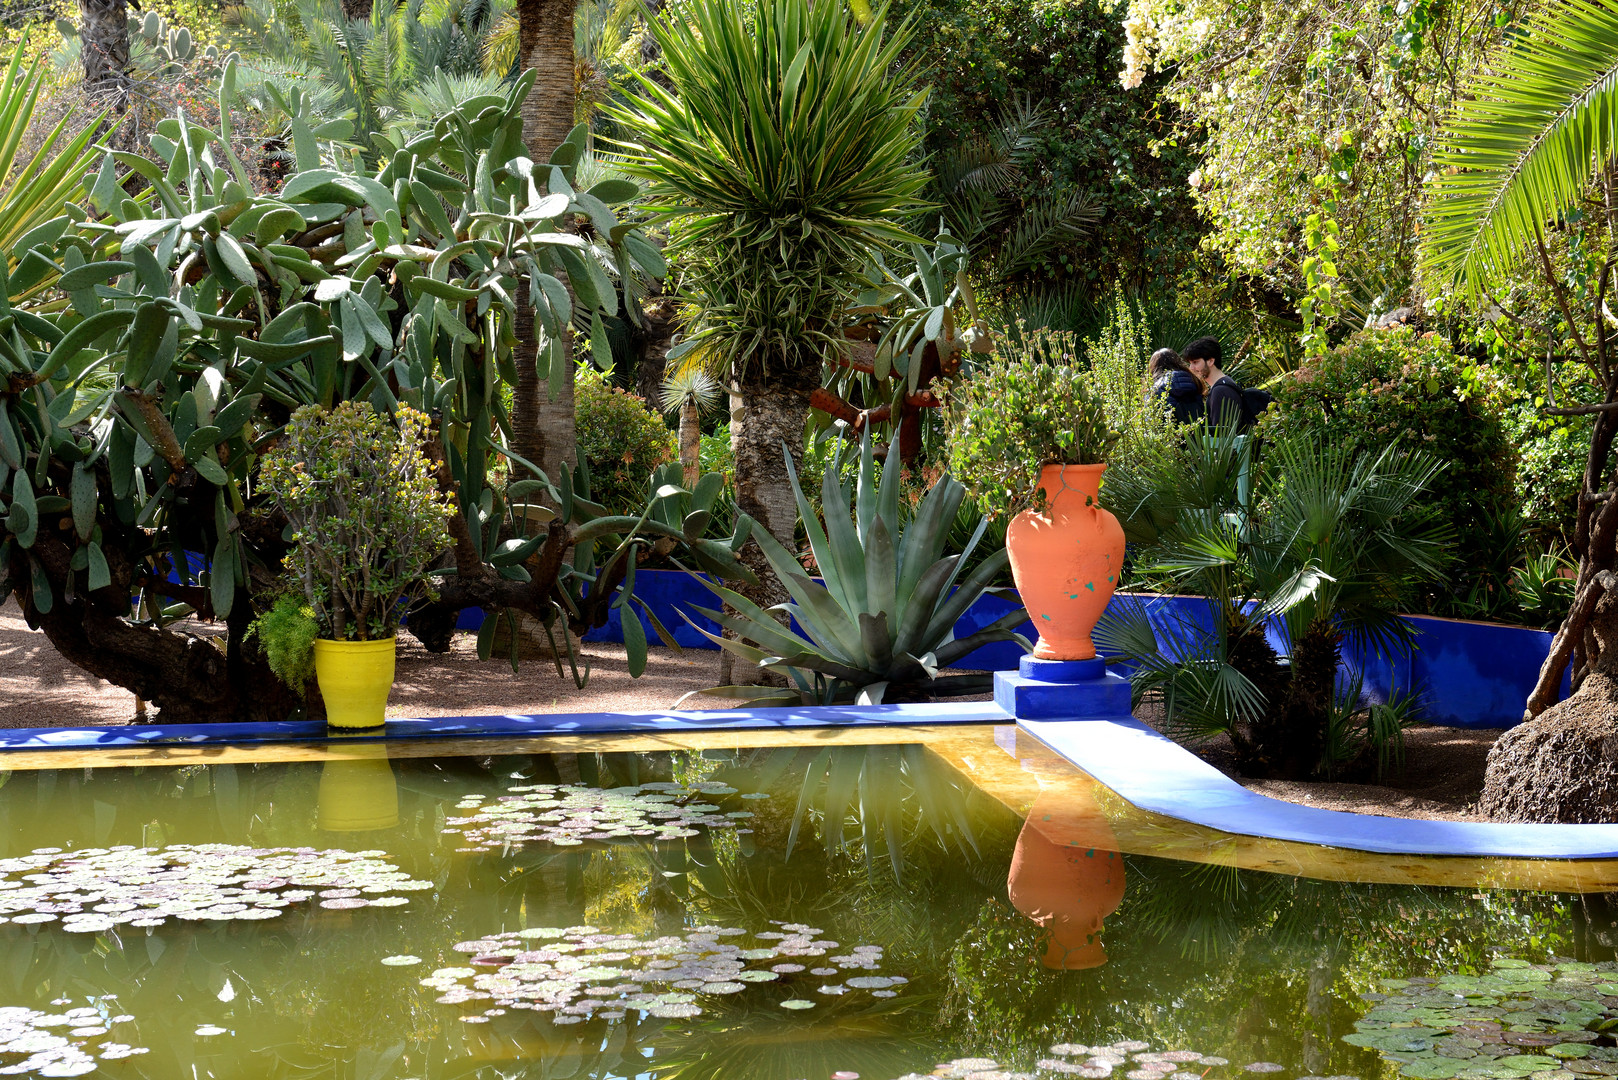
<point>1067,876</point>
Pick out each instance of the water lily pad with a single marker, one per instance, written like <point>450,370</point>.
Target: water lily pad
<point>797,1003</point>
<point>1433,1068</point>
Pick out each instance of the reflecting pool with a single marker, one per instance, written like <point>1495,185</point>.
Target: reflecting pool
<point>781,906</point>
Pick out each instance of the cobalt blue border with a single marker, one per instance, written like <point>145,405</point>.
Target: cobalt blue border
<point>508,726</point>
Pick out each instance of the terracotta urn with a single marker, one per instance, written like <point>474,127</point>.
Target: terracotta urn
<point>1067,877</point>
<point>1066,561</point>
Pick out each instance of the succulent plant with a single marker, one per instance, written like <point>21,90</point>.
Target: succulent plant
<point>881,623</point>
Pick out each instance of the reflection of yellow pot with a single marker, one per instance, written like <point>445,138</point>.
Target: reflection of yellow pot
<point>358,791</point>
<point>354,678</point>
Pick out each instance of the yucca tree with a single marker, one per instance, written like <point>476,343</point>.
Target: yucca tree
<point>1322,550</point>
<point>784,155</point>
<point>33,191</point>
<point>1527,174</point>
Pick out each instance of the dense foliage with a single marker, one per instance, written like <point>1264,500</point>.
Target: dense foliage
<point>620,438</point>
<point>991,66</point>
<point>1395,388</point>
<point>1315,123</point>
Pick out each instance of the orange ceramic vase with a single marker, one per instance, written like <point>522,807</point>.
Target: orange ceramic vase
<point>1066,561</point>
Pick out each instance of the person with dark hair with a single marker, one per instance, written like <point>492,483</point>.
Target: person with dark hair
<point>1228,406</point>
<point>1169,380</point>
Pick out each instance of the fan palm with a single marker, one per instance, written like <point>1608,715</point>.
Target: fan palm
<point>785,154</point>
<point>1533,136</point>
<point>1321,552</point>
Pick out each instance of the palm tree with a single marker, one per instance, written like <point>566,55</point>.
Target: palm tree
<point>1531,143</point>
<point>785,154</point>
<point>688,393</point>
<point>1312,541</point>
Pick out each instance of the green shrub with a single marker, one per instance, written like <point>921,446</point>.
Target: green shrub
<point>1551,454</point>
<point>621,439</point>
<point>367,516</point>
<point>287,634</point>
<point>1382,387</point>
<point>1019,411</point>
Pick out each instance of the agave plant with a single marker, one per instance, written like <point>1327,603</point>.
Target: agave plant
<point>880,625</point>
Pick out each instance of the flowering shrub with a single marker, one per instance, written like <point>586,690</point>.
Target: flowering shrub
<point>367,516</point>
<point>1382,387</point>
<point>621,438</point>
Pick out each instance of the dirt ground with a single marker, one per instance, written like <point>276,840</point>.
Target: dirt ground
<point>1442,775</point>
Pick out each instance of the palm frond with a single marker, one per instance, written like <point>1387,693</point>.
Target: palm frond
<point>1524,142</point>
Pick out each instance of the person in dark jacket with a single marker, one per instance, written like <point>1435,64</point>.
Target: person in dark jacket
<point>1223,405</point>
<point>1169,380</point>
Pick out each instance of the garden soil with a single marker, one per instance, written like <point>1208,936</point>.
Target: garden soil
<point>1442,775</point>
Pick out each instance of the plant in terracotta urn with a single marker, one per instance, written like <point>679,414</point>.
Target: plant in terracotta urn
<point>1030,437</point>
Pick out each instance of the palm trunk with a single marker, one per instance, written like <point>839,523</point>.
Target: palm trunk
<point>104,39</point>
<point>543,423</point>
<point>691,442</point>
<point>772,415</point>
<point>357,9</point>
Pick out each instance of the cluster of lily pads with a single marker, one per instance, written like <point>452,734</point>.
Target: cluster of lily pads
<point>96,889</point>
<point>69,1043</point>
<point>580,972</point>
<point>1518,1020</point>
<point>1132,1059</point>
<point>567,815</point>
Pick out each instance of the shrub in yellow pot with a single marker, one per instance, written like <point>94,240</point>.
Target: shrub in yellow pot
<point>367,520</point>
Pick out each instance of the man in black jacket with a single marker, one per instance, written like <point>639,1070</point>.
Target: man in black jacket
<point>1225,409</point>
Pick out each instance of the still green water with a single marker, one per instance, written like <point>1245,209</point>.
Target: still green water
<point>684,914</point>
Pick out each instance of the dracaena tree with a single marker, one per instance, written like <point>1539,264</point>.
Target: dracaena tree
<point>153,347</point>
<point>784,152</point>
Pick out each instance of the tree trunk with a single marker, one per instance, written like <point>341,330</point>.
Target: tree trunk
<point>357,9</point>
<point>773,411</point>
<point>544,425</point>
<point>186,676</point>
<point>691,442</point>
<point>104,45</point>
<point>652,343</point>
<point>1595,543</point>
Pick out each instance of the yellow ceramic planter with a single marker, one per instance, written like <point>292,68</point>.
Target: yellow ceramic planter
<point>354,678</point>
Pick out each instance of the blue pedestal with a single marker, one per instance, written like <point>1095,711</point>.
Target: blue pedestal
<point>1062,690</point>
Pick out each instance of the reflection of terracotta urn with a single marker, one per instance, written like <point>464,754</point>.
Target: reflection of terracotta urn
<point>1065,878</point>
<point>1066,561</point>
<point>357,790</point>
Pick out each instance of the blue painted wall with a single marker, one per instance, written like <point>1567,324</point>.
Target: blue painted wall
<point>1473,674</point>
